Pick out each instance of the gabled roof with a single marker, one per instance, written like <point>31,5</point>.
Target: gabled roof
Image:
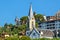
<point>47,33</point>
<point>30,12</point>
<point>34,29</point>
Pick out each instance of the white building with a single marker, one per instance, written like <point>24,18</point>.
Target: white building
<point>50,28</point>
<point>32,32</point>
<point>53,24</point>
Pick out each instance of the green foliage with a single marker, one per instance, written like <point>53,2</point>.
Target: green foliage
<point>5,25</point>
<point>55,39</point>
<point>44,39</point>
<point>1,38</point>
<point>35,39</point>
<point>25,38</point>
<point>22,27</point>
<point>11,38</point>
<point>24,19</point>
<point>39,17</point>
<point>36,25</point>
<point>16,38</point>
<point>1,30</point>
<point>15,31</point>
<point>47,39</point>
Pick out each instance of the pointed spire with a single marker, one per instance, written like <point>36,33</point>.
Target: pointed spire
<point>30,11</point>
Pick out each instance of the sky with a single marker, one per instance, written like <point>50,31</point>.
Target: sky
<point>9,9</point>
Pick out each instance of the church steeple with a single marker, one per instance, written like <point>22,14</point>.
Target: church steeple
<point>30,11</point>
<point>31,19</point>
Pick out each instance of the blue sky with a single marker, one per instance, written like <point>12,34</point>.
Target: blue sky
<point>9,9</point>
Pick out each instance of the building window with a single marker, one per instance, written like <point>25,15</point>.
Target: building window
<point>34,34</point>
<point>32,24</point>
<point>27,33</point>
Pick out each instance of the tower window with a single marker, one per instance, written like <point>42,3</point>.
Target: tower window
<point>32,24</point>
<point>32,18</point>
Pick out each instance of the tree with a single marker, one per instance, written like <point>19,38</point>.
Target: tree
<point>15,31</point>
<point>24,19</point>
<point>39,17</point>
<point>7,28</point>
<point>1,30</point>
<point>36,25</point>
<point>5,25</point>
<point>12,38</point>
<point>22,27</point>
<point>10,25</point>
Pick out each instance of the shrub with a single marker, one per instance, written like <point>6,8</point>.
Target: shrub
<point>11,38</point>
<point>1,38</point>
<point>56,39</point>
<point>25,38</point>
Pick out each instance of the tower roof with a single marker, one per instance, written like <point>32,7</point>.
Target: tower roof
<point>30,11</point>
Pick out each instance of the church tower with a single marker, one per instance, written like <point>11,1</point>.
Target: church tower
<point>31,19</point>
<point>31,31</point>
